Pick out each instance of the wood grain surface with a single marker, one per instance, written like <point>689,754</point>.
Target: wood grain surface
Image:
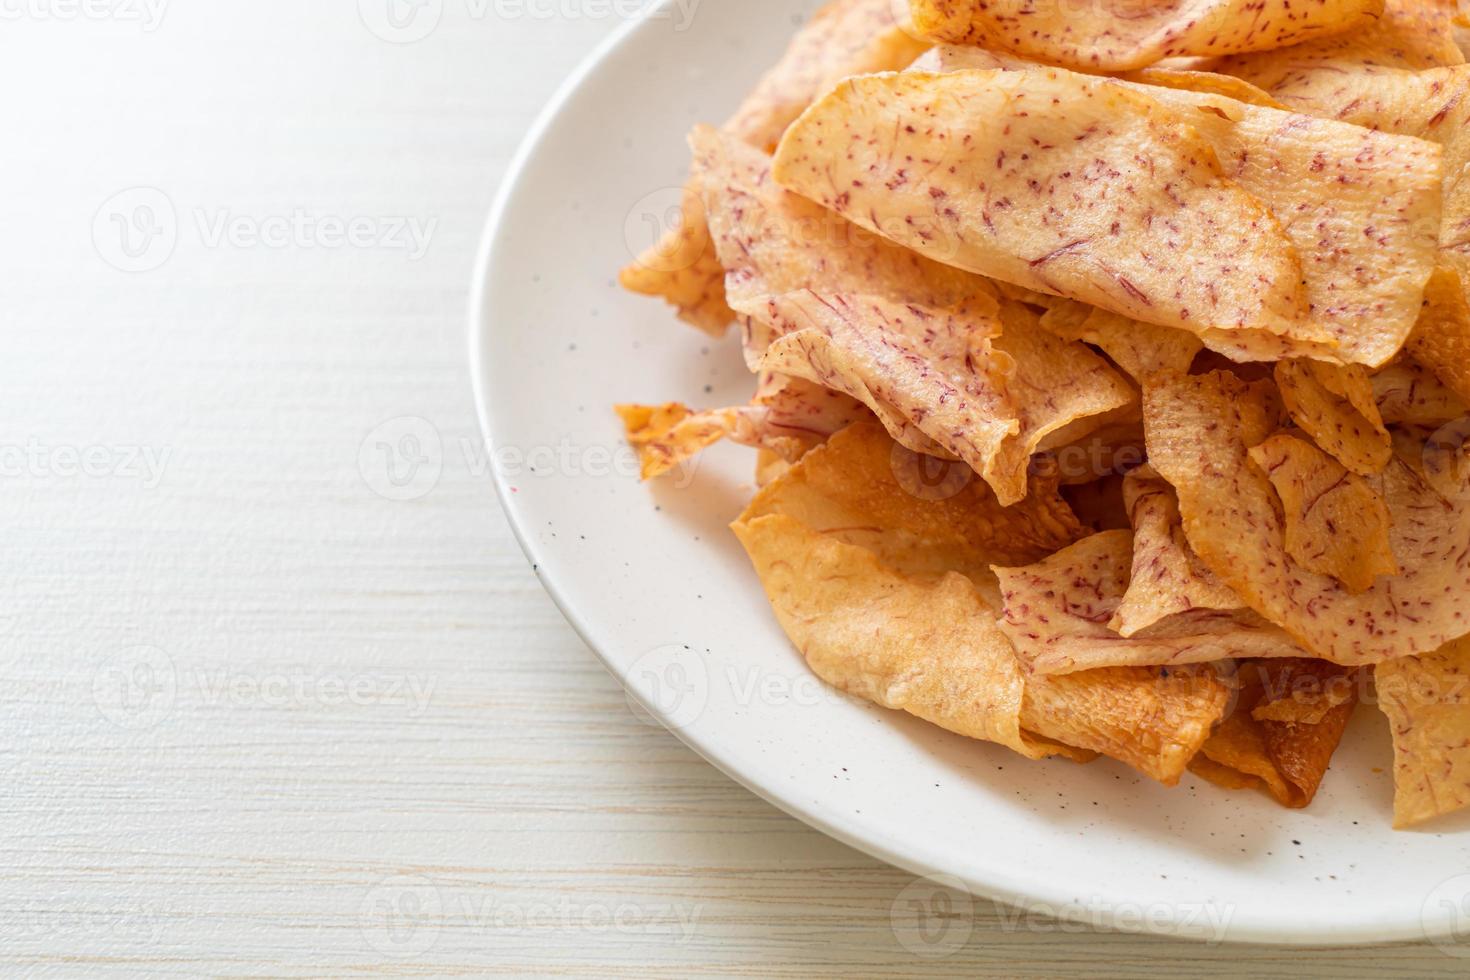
<point>260,715</point>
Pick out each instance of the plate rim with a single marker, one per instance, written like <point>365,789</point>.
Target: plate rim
<point>1246,929</point>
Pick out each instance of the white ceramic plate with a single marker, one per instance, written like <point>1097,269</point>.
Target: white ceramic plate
<point>654,582</point>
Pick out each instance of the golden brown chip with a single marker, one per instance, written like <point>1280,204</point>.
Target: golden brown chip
<point>1057,611</point>
<point>1442,338</point>
<point>919,515</point>
<point>1099,505</point>
<point>1336,407</point>
<point>1168,578</point>
<point>769,467</point>
<point>1409,393</point>
<point>957,166</point>
<point>1286,758</point>
<point>845,37</point>
<point>1427,701</point>
<point>667,435</point>
<point>930,646</point>
<point>1141,349</point>
<point>1110,451</point>
<point>1200,432</point>
<point>1117,38</point>
<point>787,416</point>
<point>683,270</point>
<point>1154,719</point>
<point>1301,692</point>
<point>1336,523</point>
<point>926,646</point>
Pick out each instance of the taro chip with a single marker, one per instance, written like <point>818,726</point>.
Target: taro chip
<point>1302,692</point>
<point>787,416</point>
<point>1111,450</point>
<point>1354,239</point>
<point>1099,505</point>
<point>1057,614</point>
<point>954,57</point>
<point>929,375</point>
<point>1154,719</point>
<point>919,515</point>
<point>1427,701</point>
<point>926,646</point>
<point>930,646</point>
<point>846,37</point>
<point>769,467</point>
<point>957,166</point>
<point>1408,393</point>
<point>1363,214</point>
<point>1168,578</point>
<point>1337,524</point>
<point>682,269</point>
<point>1205,82</point>
<point>1441,341</point>
<point>1063,392</point>
<point>1336,407</point>
<point>1108,39</point>
<point>1141,349</point>
<point>773,242</point>
<point>1409,36</point>
<point>1285,758</point>
<point>942,378</point>
<point>1201,429</point>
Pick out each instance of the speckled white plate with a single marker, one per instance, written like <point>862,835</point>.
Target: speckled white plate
<point>655,583</point>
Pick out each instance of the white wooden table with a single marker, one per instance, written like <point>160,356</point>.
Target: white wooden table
<point>260,715</point>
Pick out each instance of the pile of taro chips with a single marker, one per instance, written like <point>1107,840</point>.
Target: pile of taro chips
<point>1110,375</point>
